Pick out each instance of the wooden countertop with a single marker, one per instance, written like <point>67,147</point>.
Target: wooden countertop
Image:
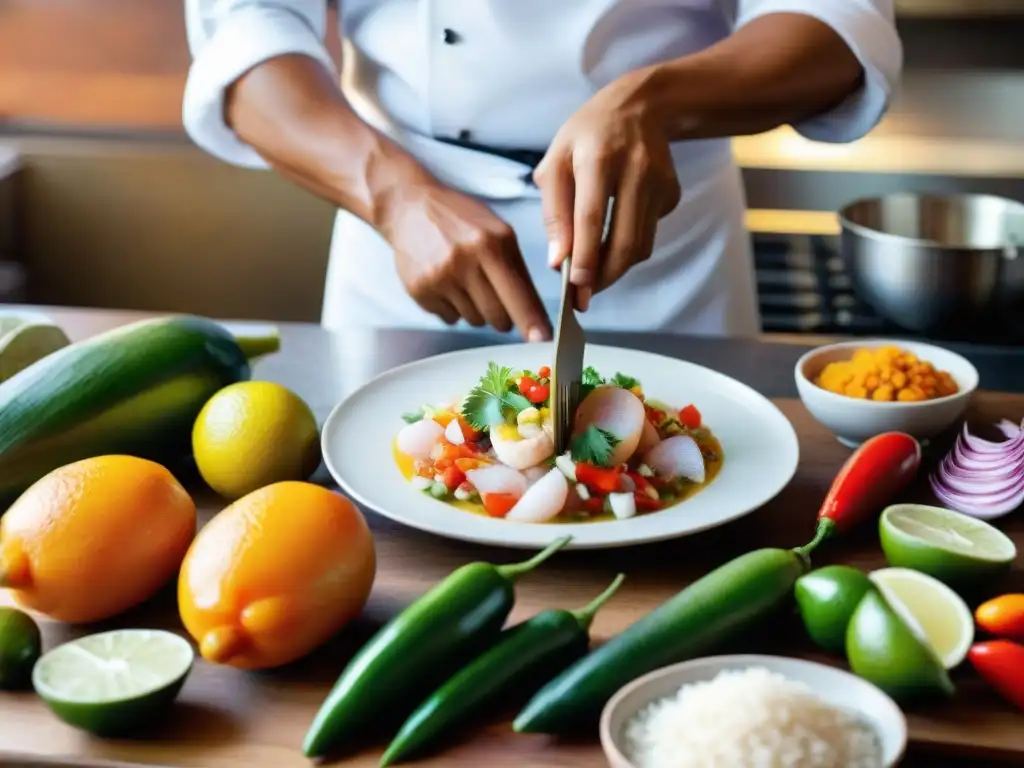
<point>227,718</point>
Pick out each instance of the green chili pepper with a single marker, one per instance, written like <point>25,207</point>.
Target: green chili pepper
<point>525,658</point>
<point>419,649</point>
<point>721,606</point>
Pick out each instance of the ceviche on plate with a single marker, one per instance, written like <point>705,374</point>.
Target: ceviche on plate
<point>493,452</point>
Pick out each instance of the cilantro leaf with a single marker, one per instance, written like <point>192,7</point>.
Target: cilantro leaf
<point>412,417</point>
<point>624,381</point>
<point>594,446</point>
<point>488,400</point>
<point>589,381</point>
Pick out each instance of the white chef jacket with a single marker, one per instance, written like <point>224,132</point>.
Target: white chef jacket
<point>507,74</point>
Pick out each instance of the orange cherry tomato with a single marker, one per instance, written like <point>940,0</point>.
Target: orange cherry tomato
<point>1002,616</point>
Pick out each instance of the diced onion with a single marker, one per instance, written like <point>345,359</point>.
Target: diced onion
<point>982,478</point>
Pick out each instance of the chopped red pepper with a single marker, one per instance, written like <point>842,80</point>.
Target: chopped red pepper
<point>690,417</point>
<point>451,452</point>
<point>1001,664</point>
<point>470,434</point>
<point>654,416</point>
<point>498,504</point>
<point>870,479</point>
<point>639,481</point>
<point>544,372</point>
<point>538,393</point>
<point>599,479</point>
<point>645,503</point>
<point>453,477</point>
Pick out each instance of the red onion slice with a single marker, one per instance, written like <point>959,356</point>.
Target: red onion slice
<point>982,478</point>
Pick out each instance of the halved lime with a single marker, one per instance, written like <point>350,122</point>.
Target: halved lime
<point>24,343</point>
<point>20,646</point>
<point>112,682</point>
<point>887,650</point>
<point>931,610</point>
<point>826,598</point>
<point>960,550</point>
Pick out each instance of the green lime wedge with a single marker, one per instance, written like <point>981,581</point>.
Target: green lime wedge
<point>959,550</point>
<point>20,646</point>
<point>884,649</point>
<point>826,599</point>
<point>26,343</point>
<point>113,682</point>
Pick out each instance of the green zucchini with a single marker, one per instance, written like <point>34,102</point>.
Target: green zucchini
<point>135,390</point>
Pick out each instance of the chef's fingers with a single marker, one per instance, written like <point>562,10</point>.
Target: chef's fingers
<point>464,305</point>
<point>486,299</point>
<point>511,281</point>
<point>441,307</point>
<point>554,179</point>
<point>593,190</point>
<point>631,214</point>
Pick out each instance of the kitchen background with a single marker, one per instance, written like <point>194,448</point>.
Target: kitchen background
<point>104,203</point>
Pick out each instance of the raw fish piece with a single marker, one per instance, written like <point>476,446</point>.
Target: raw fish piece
<point>678,456</point>
<point>522,453</point>
<point>543,500</point>
<point>417,440</point>
<point>618,412</point>
<point>497,479</point>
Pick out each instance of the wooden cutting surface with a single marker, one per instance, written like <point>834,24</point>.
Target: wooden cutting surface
<point>226,718</point>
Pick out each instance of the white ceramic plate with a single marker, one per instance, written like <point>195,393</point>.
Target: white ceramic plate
<point>759,443</point>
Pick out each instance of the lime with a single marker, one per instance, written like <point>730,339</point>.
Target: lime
<point>20,646</point>
<point>112,682</point>
<point>887,650</point>
<point>826,599</point>
<point>931,609</point>
<point>962,551</point>
<point>24,343</point>
<point>253,434</point>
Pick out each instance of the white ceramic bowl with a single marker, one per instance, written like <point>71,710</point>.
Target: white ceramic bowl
<point>834,686</point>
<point>853,421</point>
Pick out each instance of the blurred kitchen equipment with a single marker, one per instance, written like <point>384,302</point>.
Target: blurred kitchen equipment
<point>930,262</point>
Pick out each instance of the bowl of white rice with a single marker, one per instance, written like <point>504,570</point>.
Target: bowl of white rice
<point>752,711</point>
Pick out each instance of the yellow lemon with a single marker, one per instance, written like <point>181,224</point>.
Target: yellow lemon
<point>252,434</point>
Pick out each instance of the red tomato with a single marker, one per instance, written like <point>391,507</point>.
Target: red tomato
<point>451,452</point>
<point>498,504</point>
<point>526,383</point>
<point>452,478</point>
<point>1001,664</point>
<point>594,505</point>
<point>1002,616</point>
<point>690,417</point>
<point>598,478</point>
<point>538,393</point>
<point>544,372</point>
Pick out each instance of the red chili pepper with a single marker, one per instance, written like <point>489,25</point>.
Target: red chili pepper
<point>538,393</point>
<point>1002,616</point>
<point>870,479</point>
<point>544,372</point>
<point>598,478</point>
<point>690,417</point>
<point>1001,664</point>
<point>645,503</point>
<point>498,504</point>
<point>639,480</point>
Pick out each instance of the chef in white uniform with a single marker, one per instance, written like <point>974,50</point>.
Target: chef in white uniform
<point>470,145</point>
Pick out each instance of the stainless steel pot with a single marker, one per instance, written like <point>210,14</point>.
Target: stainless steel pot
<point>929,263</point>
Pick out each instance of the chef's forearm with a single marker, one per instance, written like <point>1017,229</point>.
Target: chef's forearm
<point>291,110</point>
<point>777,69</point>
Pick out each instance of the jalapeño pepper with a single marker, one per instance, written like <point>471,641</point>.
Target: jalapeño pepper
<point>418,649</point>
<point>526,657</point>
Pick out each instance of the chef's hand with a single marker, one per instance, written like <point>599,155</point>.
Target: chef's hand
<point>613,147</point>
<point>458,259</point>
